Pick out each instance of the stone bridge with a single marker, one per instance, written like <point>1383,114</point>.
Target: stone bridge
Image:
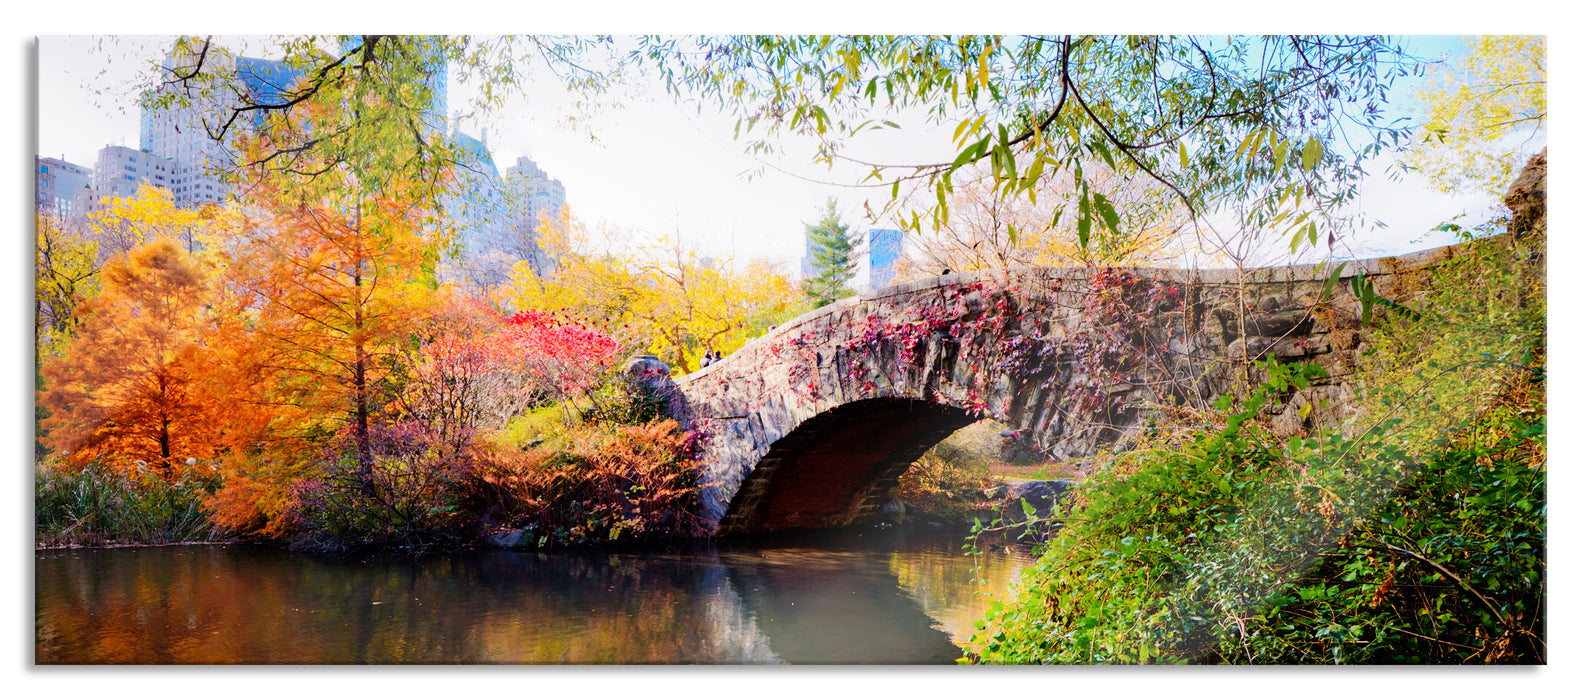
<point>811,425</point>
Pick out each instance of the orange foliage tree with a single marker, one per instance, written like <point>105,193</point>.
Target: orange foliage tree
<point>324,293</point>
<point>128,387</point>
<point>326,286</point>
<point>451,384</point>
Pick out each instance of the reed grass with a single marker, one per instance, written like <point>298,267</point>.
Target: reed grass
<point>96,506</point>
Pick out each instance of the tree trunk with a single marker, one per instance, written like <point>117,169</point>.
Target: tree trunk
<point>164,426</point>
<point>365,458</point>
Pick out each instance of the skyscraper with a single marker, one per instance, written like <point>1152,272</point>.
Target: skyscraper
<point>478,207</point>
<point>181,131</point>
<point>121,170</point>
<point>58,181</point>
<point>265,81</point>
<point>496,218</point>
<point>876,260</point>
<point>535,198</point>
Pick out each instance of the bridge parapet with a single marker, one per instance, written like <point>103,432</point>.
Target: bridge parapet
<point>810,425</point>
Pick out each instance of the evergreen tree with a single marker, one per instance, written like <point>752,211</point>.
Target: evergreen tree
<point>834,256</point>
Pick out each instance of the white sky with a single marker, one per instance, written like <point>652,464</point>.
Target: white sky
<point>657,168</point>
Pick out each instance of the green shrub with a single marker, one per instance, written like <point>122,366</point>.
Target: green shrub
<point>1415,535</point>
<point>538,427</point>
<point>96,505</point>
<point>549,426</point>
<point>618,402</point>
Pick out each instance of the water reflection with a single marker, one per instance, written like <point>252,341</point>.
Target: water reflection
<point>841,599</point>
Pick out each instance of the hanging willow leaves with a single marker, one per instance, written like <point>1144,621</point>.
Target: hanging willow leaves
<point>1107,212</point>
<point>1212,120</point>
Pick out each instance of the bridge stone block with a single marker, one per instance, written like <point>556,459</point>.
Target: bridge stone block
<point>811,425</point>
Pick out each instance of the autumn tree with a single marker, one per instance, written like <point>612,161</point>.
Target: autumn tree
<point>326,292</point>
<point>324,300</point>
<point>124,223</point>
<point>767,296</point>
<point>554,356</point>
<point>129,388</point>
<point>451,384</point>
<point>472,369</point>
<point>1483,111</point>
<point>832,253</point>
<point>690,306</point>
<point>65,274</point>
<point>586,272</point>
<point>341,151</point>
<point>661,297</point>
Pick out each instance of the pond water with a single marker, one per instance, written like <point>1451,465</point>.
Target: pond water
<point>853,597</point>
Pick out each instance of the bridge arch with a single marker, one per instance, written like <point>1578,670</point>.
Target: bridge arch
<point>839,467</point>
<point>811,425</point>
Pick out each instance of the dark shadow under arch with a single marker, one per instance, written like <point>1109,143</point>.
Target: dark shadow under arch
<point>838,468</point>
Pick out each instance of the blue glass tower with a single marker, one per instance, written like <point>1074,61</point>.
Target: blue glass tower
<point>884,250</point>
<point>264,81</point>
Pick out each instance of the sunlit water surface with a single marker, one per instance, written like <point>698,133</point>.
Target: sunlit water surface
<point>870,597</point>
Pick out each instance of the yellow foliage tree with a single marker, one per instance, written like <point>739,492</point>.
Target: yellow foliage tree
<point>581,275</point>
<point>660,297</point>
<point>690,306</point>
<point>1483,111</point>
<point>127,222</point>
<point>65,274</point>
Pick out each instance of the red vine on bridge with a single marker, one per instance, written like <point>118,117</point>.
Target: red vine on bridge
<point>1114,347</point>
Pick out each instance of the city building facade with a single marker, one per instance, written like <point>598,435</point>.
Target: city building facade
<point>182,132</point>
<point>535,198</point>
<point>478,209</point>
<point>120,170</point>
<point>496,218</point>
<point>58,182</point>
